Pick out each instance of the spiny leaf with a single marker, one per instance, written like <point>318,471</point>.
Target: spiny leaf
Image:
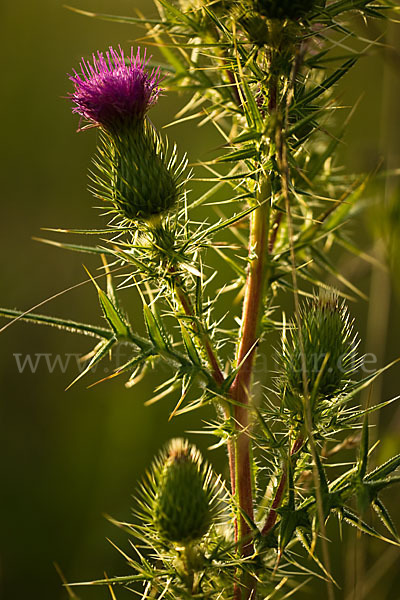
<point>364,383</point>
<point>363,456</point>
<point>345,205</point>
<point>269,436</point>
<point>132,365</point>
<point>321,258</point>
<point>384,470</point>
<point>326,84</point>
<point>111,313</point>
<point>115,18</point>
<point>227,223</point>
<point>180,16</point>
<point>63,324</point>
<point>120,580</point>
<point>155,330</point>
<point>75,247</point>
<point>321,474</point>
<point>100,354</point>
<point>165,392</point>
<point>252,112</point>
<point>355,416</point>
<point>291,519</point>
<point>171,57</point>
<point>249,151</point>
<point>385,517</point>
<point>303,538</point>
<point>311,117</point>
<point>190,346</point>
<point>247,136</point>
<point>90,231</point>
<point>362,526</point>
<point>186,385</point>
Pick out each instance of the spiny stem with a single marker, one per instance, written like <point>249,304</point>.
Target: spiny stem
<point>217,373</point>
<point>272,515</point>
<point>274,232</point>
<point>241,387</point>
<point>201,334</point>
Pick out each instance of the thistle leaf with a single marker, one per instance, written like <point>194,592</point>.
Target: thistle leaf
<point>63,324</point>
<point>114,18</point>
<point>111,313</point>
<point>179,15</point>
<point>76,247</point>
<point>190,346</point>
<point>155,329</point>
<point>362,526</point>
<point>249,151</point>
<point>364,447</point>
<point>100,354</point>
<point>385,517</point>
<point>252,112</point>
<point>320,89</point>
<point>384,470</point>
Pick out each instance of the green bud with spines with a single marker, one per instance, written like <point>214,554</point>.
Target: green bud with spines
<point>183,498</point>
<point>215,5</point>
<point>330,351</point>
<point>136,173</point>
<point>257,29</point>
<point>285,9</point>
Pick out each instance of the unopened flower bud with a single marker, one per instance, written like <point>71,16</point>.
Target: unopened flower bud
<point>136,174</point>
<point>285,9</point>
<point>183,503</point>
<point>329,351</point>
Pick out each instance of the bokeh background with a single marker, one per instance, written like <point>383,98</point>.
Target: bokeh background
<point>69,458</point>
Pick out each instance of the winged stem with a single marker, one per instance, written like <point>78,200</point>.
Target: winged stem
<point>246,352</point>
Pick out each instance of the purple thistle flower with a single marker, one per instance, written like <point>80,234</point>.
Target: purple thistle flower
<point>110,92</point>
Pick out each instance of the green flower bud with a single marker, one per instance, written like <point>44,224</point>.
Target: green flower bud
<point>329,349</point>
<point>214,5</point>
<point>257,29</point>
<point>184,502</point>
<point>136,174</point>
<point>285,9</point>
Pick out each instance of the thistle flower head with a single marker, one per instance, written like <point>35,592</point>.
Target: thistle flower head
<point>114,90</point>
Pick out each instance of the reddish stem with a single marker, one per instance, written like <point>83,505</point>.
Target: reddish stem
<point>272,515</point>
<point>215,369</point>
<point>202,335</point>
<point>240,389</point>
<point>274,232</point>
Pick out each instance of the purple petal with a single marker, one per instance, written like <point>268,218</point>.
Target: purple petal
<point>112,91</point>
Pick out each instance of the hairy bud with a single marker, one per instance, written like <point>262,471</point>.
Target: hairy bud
<point>285,9</point>
<point>136,174</point>
<point>329,351</point>
<point>183,505</point>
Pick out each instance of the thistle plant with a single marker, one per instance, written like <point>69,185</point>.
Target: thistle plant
<point>264,74</point>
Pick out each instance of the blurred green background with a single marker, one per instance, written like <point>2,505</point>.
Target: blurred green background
<point>67,458</point>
